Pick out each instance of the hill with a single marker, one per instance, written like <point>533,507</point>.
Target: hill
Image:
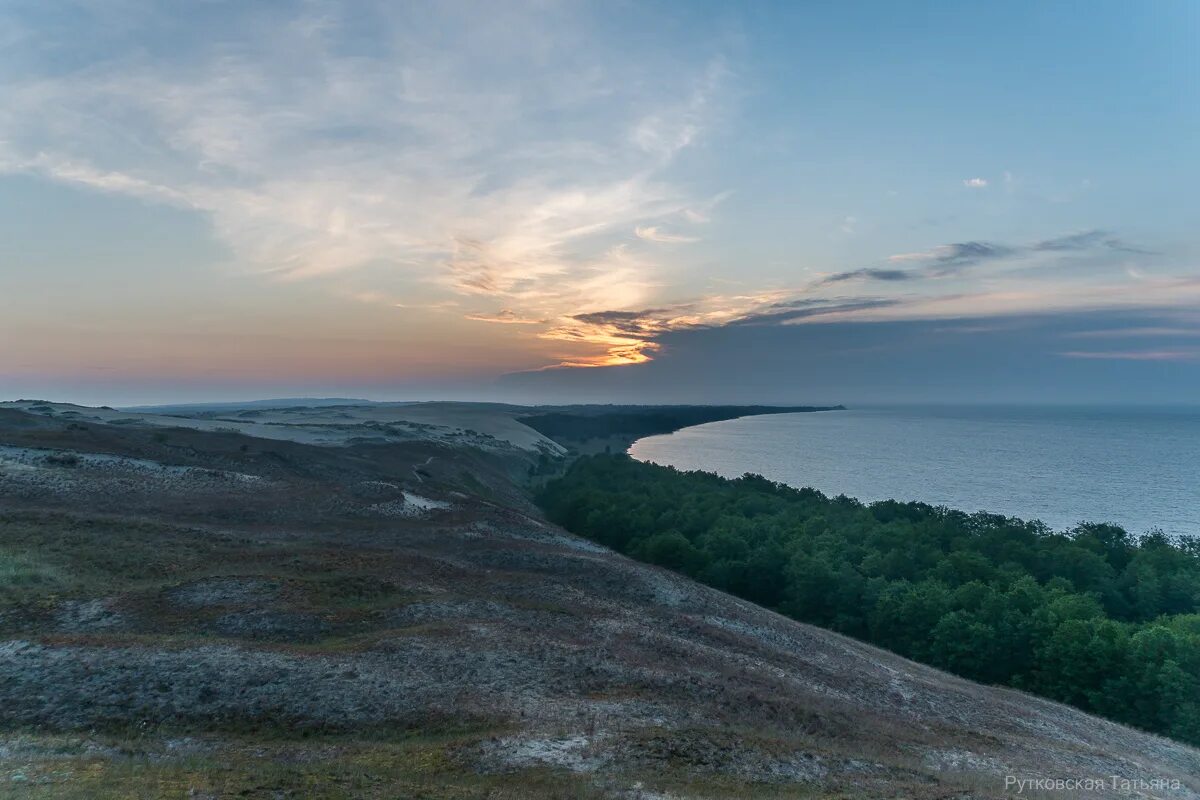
<point>190,609</point>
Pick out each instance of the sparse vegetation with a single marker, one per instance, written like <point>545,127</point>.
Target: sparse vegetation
<point>208,621</point>
<point>23,572</point>
<point>425,765</point>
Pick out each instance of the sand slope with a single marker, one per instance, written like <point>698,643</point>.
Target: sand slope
<point>182,625</point>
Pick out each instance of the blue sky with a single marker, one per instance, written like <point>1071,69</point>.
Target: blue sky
<point>228,200</point>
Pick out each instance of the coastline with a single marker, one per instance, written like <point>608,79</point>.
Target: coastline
<point>593,429</point>
<point>628,445</point>
<point>966,459</point>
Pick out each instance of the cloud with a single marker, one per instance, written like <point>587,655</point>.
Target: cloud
<point>970,252</point>
<point>487,154</point>
<point>616,344</point>
<point>872,273</point>
<point>504,316</point>
<point>103,180</point>
<point>1130,332</point>
<point>1074,241</point>
<point>942,261</point>
<point>673,126</point>
<point>617,333</point>
<point>500,158</point>
<point>790,313</point>
<point>975,183</point>
<point>1135,355</point>
<point>652,233</point>
<point>952,259</point>
<point>965,359</point>
<point>1088,240</point>
<point>623,336</point>
<point>648,321</point>
<point>632,336</point>
<point>948,258</point>
<point>701,213</point>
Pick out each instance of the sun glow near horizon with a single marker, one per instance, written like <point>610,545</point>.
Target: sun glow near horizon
<point>420,193</point>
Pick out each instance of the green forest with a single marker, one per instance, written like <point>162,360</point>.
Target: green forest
<point>1093,616</point>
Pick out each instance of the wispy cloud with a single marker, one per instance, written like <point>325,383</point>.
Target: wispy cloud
<point>619,336</point>
<point>809,309</point>
<point>942,261</point>
<point>632,337</point>
<point>702,212</point>
<point>499,161</point>
<point>1137,332</point>
<point>625,337</point>
<point>487,154</point>
<point>871,273</point>
<point>653,233</point>
<point>952,259</point>
<point>1135,355</point>
<point>505,316</point>
<point>1088,240</point>
<point>676,124</point>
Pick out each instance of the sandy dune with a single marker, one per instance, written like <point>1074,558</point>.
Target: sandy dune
<point>473,424</point>
<point>180,630</point>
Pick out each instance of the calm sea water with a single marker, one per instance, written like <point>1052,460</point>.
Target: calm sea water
<point>1136,468</point>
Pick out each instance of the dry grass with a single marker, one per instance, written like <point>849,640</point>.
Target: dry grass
<point>181,643</point>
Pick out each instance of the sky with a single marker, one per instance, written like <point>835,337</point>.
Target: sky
<point>567,201</point>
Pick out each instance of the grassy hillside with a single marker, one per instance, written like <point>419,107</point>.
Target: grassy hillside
<point>1090,617</point>
<point>206,614</point>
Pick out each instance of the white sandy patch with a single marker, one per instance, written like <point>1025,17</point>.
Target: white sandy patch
<point>411,505</point>
<point>424,503</point>
<point>475,425</point>
<point>582,545</point>
<point>574,753</point>
<point>962,761</point>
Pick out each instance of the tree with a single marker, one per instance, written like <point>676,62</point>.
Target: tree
<point>671,550</point>
<point>1093,616</point>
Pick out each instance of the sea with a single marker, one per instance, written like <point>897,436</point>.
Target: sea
<point>1135,467</point>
